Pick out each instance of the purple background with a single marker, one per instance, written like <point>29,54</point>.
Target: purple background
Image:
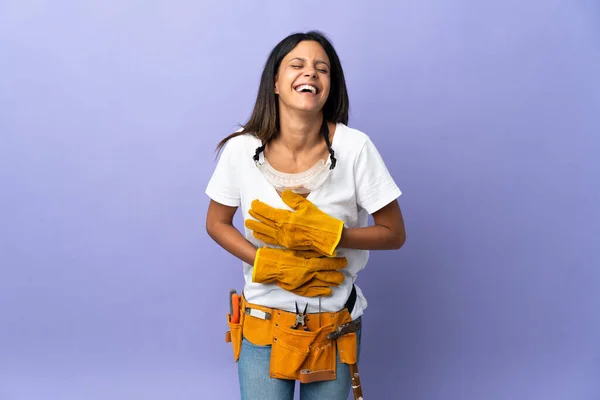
<point>487,115</point>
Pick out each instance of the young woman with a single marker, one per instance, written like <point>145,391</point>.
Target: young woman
<point>306,184</point>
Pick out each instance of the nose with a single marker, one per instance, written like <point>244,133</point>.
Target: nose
<point>311,73</point>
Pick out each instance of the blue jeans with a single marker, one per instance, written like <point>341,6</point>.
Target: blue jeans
<point>256,384</point>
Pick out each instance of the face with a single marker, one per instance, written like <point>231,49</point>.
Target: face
<point>303,80</point>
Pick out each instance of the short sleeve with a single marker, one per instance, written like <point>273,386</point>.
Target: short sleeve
<point>375,187</point>
<point>222,186</point>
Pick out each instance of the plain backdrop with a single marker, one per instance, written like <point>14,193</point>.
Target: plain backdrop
<point>486,112</point>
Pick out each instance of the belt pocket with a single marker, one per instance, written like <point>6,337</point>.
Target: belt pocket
<point>258,331</point>
<point>291,348</point>
<point>348,348</point>
<point>234,335</point>
<point>321,363</point>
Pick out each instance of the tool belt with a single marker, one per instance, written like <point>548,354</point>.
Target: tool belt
<point>305,353</point>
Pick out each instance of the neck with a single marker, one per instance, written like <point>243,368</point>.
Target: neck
<point>299,132</point>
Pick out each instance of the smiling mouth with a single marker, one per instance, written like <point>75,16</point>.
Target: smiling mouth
<point>307,89</point>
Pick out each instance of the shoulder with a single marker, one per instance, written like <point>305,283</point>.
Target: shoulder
<point>349,140</point>
<point>350,136</point>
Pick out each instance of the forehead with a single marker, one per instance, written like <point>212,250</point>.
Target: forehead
<point>309,50</point>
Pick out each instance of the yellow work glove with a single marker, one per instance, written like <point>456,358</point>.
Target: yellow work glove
<point>294,270</point>
<point>305,228</point>
<point>313,288</point>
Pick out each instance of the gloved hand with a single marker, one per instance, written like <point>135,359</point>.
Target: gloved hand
<point>313,288</point>
<point>296,271</point>
<point>306,228</point>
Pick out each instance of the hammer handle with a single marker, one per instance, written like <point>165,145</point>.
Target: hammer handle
<point>355,379</point>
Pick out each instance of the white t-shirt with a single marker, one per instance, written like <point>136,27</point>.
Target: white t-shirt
<point>359,185</point>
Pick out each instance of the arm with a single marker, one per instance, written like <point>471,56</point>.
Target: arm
<point>219,226</point>
<point>386,234</point>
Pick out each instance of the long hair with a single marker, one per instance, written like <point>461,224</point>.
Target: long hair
<point>264,121</point>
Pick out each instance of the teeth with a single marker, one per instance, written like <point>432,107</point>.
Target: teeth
<point>309,87</point>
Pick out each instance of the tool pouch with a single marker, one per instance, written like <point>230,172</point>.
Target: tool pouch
<point>347,346</point>
<point>234,335</point>
<point>307,356</point>
<point>297,354</point>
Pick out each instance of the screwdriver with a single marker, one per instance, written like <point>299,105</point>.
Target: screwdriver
<point>234,306</point>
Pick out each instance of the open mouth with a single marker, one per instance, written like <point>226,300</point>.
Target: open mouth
<point>307,89</point>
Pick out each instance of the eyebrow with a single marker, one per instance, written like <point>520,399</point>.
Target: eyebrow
<point>304,60</point>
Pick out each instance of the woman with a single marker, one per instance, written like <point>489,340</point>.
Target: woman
<point>306,184</point>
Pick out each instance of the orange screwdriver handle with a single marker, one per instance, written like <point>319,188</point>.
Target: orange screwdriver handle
<point>235,303</point>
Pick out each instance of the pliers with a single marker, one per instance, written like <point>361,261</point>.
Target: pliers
<point>300,318</point>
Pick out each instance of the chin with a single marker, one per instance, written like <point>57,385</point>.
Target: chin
<point>309,108</point>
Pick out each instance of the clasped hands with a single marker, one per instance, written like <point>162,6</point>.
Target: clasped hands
<point>307,264</point>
